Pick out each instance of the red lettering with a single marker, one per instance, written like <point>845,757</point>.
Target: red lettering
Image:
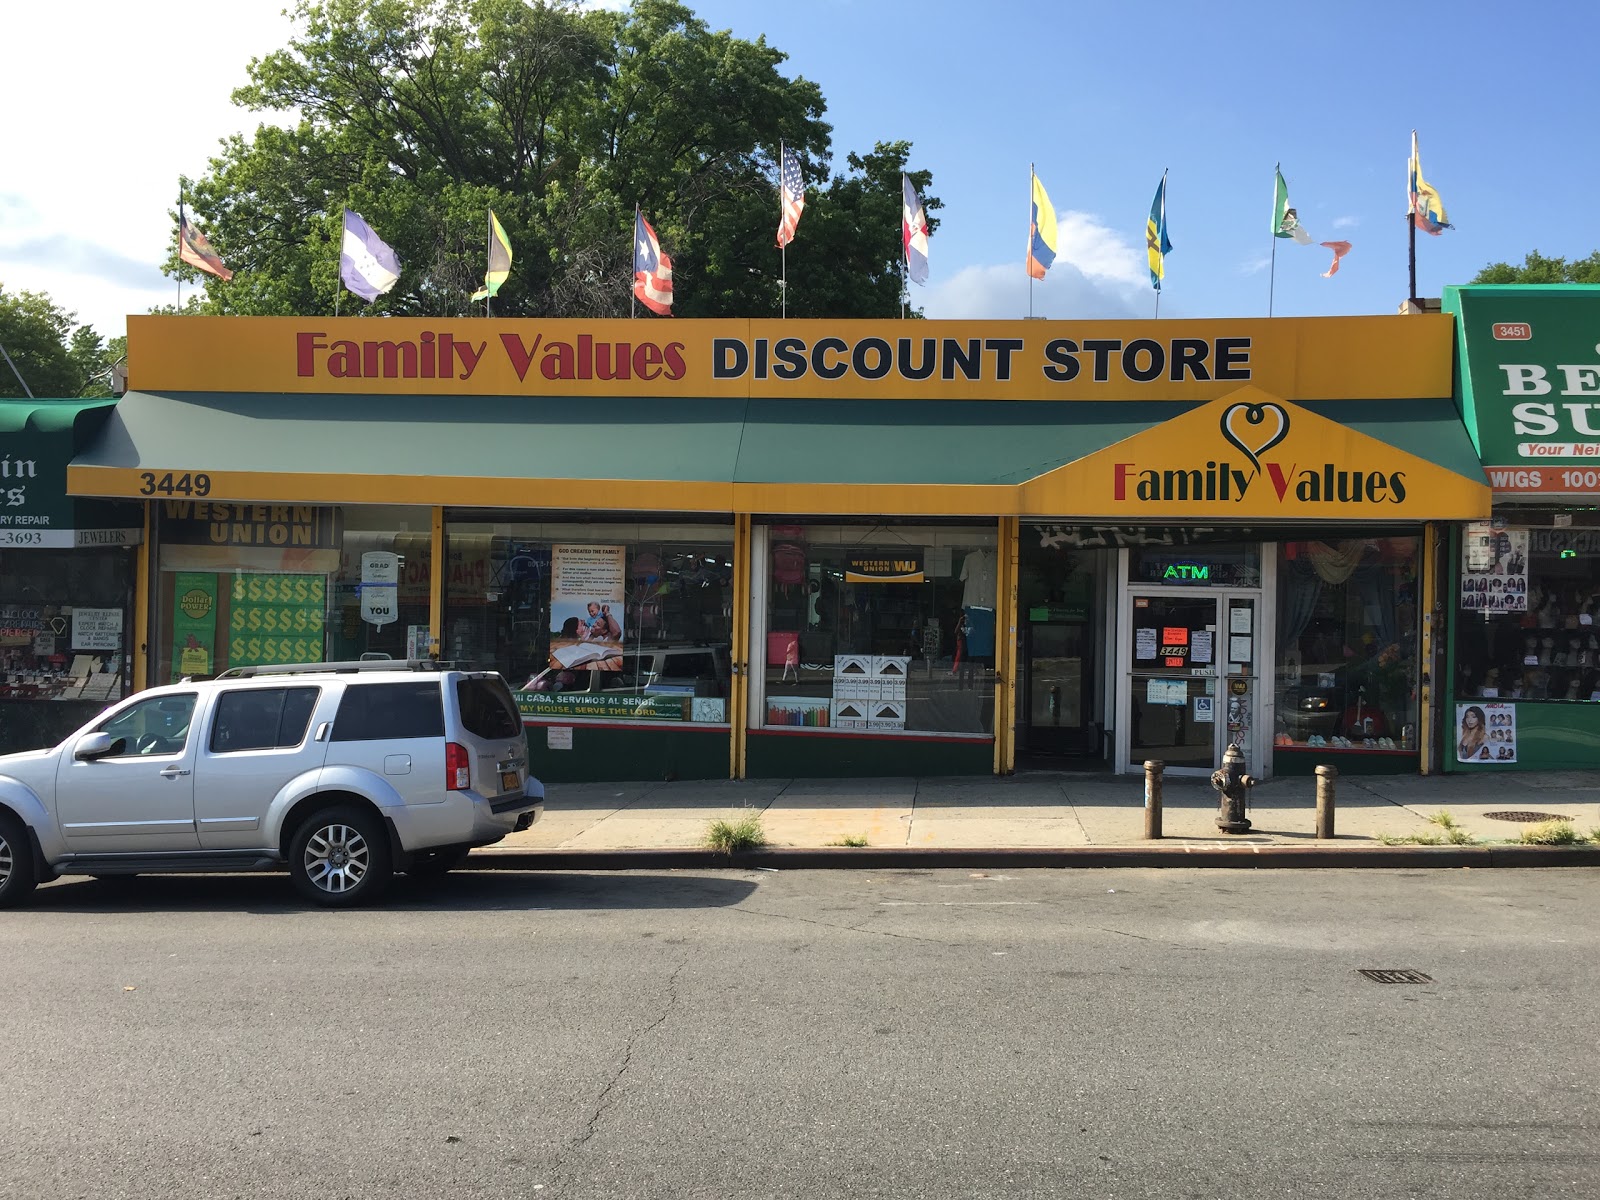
<point>558,361</point>
<point>647,361</point>
<point>1280,479</point>
<point>675,365</point>
<point>306,346</point>
<point>1119,486</point>
<point>521,356</point>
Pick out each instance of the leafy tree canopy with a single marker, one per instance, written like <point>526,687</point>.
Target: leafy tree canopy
<point>57,356</point>
<point>423,114</point>
<point>1538,268</point>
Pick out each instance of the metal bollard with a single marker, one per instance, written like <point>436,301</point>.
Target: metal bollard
<point>1325,777</point>
<point>1153,767</point>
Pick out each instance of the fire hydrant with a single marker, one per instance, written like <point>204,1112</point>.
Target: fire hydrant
<point>1233,792</point>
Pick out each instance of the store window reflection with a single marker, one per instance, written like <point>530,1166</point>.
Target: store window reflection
<point>1348,646</point>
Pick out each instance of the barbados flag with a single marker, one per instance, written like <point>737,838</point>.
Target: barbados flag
<point>1155,235</point>
<point>1042,233</point>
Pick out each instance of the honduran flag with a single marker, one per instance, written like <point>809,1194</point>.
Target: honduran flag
<point>913,231</point>
<point>652,270</point>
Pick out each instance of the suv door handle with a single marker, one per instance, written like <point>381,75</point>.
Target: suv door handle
<point>173,772</point>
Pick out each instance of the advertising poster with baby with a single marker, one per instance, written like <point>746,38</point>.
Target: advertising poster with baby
<point>1486,733</point>
<point>586,607</point>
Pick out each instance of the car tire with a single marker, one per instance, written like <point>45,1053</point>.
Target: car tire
<point>18,876</point>
<point>339,857</point>
<point>432,864</point>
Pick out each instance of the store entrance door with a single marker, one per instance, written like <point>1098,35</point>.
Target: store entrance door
<point>1058,665</point>
<point>1188,678</point>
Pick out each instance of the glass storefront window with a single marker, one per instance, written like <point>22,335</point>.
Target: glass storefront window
<point>1528,622</point>
<point>618,621</point>
<point>66,620</point>
<point>263,584</point>
<point>1348,649</point>
<point>880,628</point>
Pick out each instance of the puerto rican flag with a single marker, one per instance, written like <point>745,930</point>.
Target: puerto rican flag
<point>652,270</point>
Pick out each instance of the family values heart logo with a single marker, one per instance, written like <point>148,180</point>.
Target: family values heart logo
<point>1255,428</point>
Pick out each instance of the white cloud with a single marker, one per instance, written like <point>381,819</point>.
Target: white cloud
<point>1346,222</point>
<point>1097,274</point>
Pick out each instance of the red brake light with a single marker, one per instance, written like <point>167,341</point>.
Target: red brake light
<point>457,772</point>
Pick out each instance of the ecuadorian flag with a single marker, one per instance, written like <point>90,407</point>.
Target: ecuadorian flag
<point>1042,232</point>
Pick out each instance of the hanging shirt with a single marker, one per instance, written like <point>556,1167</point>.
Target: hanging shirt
<point>978,573</point>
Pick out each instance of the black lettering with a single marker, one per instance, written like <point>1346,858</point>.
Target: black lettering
<point>1003,349</point>
<point>1233,358</point>
<point>1062,366</point>
<point>1189,355</point>
<point>930,355</point>
<point>1101,348</point>
<point>872,346</point>
<point>819,364</point>
<point>730,358</point>
<point>1397,487</point>
<point>969,362</point>
<point>791,355</point>
<point>1130,360</point>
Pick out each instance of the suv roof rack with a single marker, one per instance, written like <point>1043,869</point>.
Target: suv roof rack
<point>338,668</point>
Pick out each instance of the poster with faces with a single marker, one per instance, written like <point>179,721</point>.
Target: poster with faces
<point>1494,569</point>
<point>1486,733</point>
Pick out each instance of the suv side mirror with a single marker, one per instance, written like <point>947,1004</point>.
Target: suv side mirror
<point>94,745</point>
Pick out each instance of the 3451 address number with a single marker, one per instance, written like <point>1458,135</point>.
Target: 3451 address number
<point>196,483</point>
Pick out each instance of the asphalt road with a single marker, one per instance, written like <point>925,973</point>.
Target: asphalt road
<point>1162,1033</point>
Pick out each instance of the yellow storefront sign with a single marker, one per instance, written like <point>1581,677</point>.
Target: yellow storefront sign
<point>1338,358</point>
<point>1252,455</point>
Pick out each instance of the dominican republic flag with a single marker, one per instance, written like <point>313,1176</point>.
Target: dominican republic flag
<point>791,195</point>
<point>652,270</point>
<point>367,266</point>
<point>913,231</point>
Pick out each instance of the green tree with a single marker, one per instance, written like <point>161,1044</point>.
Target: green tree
<point>422,114</point>
<point>1538,268</point>
<point>53,353</point>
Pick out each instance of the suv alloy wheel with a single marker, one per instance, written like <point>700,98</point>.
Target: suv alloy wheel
<point>339,857</point>
<point>16,862</point>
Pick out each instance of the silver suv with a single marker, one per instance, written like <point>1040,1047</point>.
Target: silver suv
<point>346,772</point>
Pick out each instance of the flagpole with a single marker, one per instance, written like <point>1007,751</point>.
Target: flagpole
<point>1411,221</point>
<point>179,272</point>
<point>1159,231</point>
<point>783,250</point>
<point>488,250</point>
<point>1272,284</point>
<point>633,293</point>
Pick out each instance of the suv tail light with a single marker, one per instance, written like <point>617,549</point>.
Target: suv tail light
<point>457,771</point>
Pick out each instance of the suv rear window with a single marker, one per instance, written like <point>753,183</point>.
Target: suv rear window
<point>487,709</point>
<point>372,712</point>
<point>261,718</point>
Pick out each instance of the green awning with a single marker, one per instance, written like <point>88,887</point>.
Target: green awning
<point>38,439</point>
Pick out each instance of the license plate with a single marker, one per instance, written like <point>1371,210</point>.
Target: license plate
<point>509,782</point>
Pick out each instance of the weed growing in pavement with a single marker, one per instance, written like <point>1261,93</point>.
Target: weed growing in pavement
<point>1453,834</point>
<point>1552,833</point>
<point>857,842</point>
<point>1415,839</point>
<point>745,833</point>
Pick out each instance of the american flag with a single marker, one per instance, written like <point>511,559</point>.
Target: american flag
<point>792,193</point>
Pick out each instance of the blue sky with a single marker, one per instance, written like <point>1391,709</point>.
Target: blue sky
<point>1101,97</point>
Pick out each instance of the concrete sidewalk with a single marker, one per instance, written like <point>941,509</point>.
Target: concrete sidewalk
<point>1044,818</point>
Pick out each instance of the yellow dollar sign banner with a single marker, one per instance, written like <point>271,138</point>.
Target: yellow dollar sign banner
<point>275,619</point>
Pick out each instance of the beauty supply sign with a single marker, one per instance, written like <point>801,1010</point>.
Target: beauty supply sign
<point>1330,358</point>
<point>1532,386</point>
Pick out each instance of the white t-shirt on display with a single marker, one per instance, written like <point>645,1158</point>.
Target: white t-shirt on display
<point>978,573</point>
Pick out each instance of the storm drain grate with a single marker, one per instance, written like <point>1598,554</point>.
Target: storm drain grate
<point>1404,976</point>
<point>1526,818</point>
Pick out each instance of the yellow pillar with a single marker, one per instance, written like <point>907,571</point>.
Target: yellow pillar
<point>739,683</point>
<point>438,569</point>
<point>1005,649</point>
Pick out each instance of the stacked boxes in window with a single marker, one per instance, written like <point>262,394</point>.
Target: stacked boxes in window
<point>853,688</point>
<point>888,705</point>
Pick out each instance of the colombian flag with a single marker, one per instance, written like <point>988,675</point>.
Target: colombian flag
<point>1042,233</point>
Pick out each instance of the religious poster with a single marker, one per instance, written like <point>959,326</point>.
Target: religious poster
<point>586,607</point>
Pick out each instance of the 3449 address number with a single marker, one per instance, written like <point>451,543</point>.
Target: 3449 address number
<point>196,483</point>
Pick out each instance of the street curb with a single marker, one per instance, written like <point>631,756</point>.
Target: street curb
<point>1157,855</point>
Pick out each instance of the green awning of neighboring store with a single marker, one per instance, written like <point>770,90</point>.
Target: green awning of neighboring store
<point>38,439</point>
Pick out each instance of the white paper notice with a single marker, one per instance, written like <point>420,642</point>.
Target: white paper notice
<point>97,629</point>
<point>1200,646</point>
<point>558,737</point>
<point>1239,620</point>
<point>1238,649</point>
<point>1144,643</point>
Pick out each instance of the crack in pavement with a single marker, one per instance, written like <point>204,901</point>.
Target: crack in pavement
<point>756,912</point>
